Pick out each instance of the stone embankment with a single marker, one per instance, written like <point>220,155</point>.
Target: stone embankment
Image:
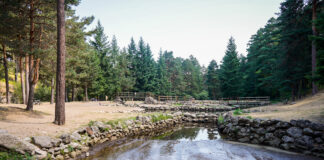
<point>195,108</point>
<point>300,136</point>
<point>69,146</point>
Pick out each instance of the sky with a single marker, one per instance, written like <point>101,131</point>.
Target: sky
<point>200,28</point>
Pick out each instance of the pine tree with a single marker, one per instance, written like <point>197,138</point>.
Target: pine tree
<point>212,80</point>
<point>229,71</point>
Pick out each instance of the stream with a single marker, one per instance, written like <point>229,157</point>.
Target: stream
<point>188,142</point>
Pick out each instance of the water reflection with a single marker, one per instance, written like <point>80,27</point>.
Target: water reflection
<point>189,143</point>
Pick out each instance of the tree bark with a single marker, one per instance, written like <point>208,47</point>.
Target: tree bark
<point>5,65</point>
<point>73,93</point>
<point>60,76</point>
<point>31,58</point>
<point>26,78</point>
<point>16,70</point>
<point>52,90</point>
<point>314,87</point>
<point>86,93</point>
<point>22,79</point>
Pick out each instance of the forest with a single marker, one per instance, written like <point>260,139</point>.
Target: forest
<point>285,58</point>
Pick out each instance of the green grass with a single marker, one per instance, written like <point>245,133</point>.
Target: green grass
<point>15,156</point>
<point>220,119</point>
<point>249,117</point>
<point>237,112</point>
<point>177,104</point>
<point>160,117</point>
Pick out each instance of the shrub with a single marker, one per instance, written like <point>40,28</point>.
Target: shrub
<point>237,112</point>
<point>43,93</point>
<point>220,119</point>
<point>249,117</point>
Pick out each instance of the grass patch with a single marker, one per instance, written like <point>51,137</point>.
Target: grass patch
<point>237,112</point>
<point>220,119</point>
<point>160,117</point>
<point>177,104</point>
<point>15,156</point>
<point>249,117</point>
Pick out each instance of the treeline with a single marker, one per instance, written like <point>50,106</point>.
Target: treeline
<point>278,63</point>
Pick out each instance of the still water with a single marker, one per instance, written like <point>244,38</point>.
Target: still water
<point>188,143</point>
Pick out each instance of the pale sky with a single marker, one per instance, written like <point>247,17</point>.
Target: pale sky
<point>198,27</point>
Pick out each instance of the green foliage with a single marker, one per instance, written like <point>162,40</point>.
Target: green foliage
<point>202,95</point>
<point>229,72</point>
<point>249,117</point>
<point>42,92</point>
<point>91,123</point>
<point>17,93</point>
<point>237,112</point>
<point>220,119</point>
<point>212,82</point>
<point>15,156</point>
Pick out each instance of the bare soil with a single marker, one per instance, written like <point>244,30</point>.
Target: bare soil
<point>17,121</point>
<point>310,108</point>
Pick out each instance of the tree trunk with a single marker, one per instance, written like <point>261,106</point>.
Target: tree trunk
<point>314,87</point>
<point>86,93</point>
<point>60,76</point>
<point>5,65</point>
<point>52,91</point>
<point>73,93</point>
<point>16,70</point>
<point>22,80</point>
<point>26,77</point>
<point>31,68</point>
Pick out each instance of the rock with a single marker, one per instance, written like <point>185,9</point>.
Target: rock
<point>243,140</point>
<point>318,140</point>
<point>244,121</point>
<point>279,133</point>
<point>270,129</point>
<point>65,138</point>
<point>275,142</point>
<point>42,141</point>
<point>75,145</point>
<point>87,154</point>
<point>73,154</point>
<point>308,131</point>
<point>56,142</point>
<point>288,139</point>
<point>2,131</point>
<point>28,139</point>
<point>285,146</point>
<point>269,136</point>
<point>283,125</point>
<point>75,136</point>
<point>100,125</point>
<point>84,149</point>
<point>13,143</point>
<point>150,100</point>
<point>59,157</point>
<point>89,131</point>
<point>261,131</point>
<point>295,132</point>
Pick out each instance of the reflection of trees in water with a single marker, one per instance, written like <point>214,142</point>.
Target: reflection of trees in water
<point>187,133</point>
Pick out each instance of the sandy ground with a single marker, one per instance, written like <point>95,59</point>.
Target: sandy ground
<point>21,123</point>
<point>311,108</point>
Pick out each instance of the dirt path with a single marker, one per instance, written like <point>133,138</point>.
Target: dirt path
<point>21,123</point>
<point>311,108</point>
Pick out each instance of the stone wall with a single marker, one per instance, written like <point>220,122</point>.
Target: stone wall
<point>189,108</point>
<point>300,136</point>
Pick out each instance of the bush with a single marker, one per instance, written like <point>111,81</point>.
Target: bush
<point>43,93</point>
<point>202,95</point>
<point>160,117</point>
<point>237,112</point>
<point>220,119</point>
<point>17,94</point>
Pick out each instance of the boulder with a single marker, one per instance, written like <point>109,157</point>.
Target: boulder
<point>243,140</point>
<point>65,138</point>
<point>287,139</point>
<point>13,143</point>
<point>295,132</point>
<point>42,141</point>
<point>308,131</point>
<point>150,100</point>
<point>75,136</point>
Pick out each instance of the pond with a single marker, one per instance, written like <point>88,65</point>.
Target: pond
<point>188,142</point>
